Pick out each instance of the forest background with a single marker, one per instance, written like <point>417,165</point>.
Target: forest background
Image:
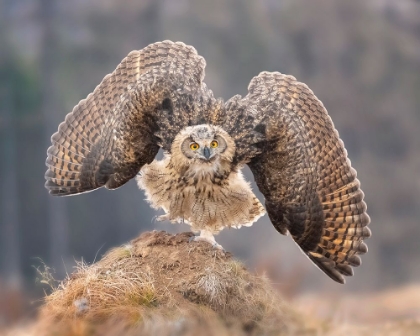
<point>361,58</point>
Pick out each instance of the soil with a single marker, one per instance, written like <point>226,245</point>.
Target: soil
<point>165,282</point>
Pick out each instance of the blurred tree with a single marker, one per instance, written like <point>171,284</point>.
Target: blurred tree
<point>9,203</point>
<point>9,210</point>
<point>57,207</point>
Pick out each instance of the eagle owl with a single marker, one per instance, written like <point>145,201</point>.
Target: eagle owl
<point>156,98</point>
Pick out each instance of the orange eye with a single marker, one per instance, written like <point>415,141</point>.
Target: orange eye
<point>194,146</point>
<point>214,144</point>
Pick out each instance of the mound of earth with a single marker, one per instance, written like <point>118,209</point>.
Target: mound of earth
<point>161,284</point>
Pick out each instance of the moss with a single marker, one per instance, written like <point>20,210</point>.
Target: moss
<point>146,297</point>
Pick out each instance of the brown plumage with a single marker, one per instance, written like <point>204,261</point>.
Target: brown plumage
<point>157,98</point>
<point>207,194</point>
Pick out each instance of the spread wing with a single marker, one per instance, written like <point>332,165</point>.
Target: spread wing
<point>110,135</point>
<point>310,188</point>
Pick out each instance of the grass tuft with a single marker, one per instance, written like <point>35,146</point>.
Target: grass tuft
<point>162,284</point>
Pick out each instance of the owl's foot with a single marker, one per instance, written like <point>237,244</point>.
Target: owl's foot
<point>208,237</point>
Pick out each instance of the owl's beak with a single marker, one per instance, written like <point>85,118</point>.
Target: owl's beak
<point>206,152</point>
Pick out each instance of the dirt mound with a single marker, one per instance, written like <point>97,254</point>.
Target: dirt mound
<point>162,284</point>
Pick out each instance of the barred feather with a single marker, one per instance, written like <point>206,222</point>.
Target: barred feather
<point>110,135</point>
<point>311,190</point>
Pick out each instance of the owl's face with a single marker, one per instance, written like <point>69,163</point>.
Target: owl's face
<point>203,144</point>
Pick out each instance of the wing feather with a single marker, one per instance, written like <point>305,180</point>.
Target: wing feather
<point>110,135</point>
<point>311,190</point>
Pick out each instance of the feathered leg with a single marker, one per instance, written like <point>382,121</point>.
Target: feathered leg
<point>208,237</point>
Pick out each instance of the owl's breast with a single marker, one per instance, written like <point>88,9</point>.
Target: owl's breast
<point>208,202</point>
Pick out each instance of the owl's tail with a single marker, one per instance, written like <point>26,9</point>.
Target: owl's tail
<point>345,228</point>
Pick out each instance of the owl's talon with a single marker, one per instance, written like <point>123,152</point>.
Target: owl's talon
<point>217,246</point>
<point>208,237</point>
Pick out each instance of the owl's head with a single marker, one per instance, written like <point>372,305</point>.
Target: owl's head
<point>203,144</point>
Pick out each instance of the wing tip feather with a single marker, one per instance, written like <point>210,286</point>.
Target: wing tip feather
<point>329,268</point>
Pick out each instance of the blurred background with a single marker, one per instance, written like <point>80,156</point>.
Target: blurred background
<point>361,58</point>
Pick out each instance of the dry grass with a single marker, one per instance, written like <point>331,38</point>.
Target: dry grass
<point>162,284</point>
<point>398,303</point>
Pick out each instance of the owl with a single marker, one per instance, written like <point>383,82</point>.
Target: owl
<point>156,98</point>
